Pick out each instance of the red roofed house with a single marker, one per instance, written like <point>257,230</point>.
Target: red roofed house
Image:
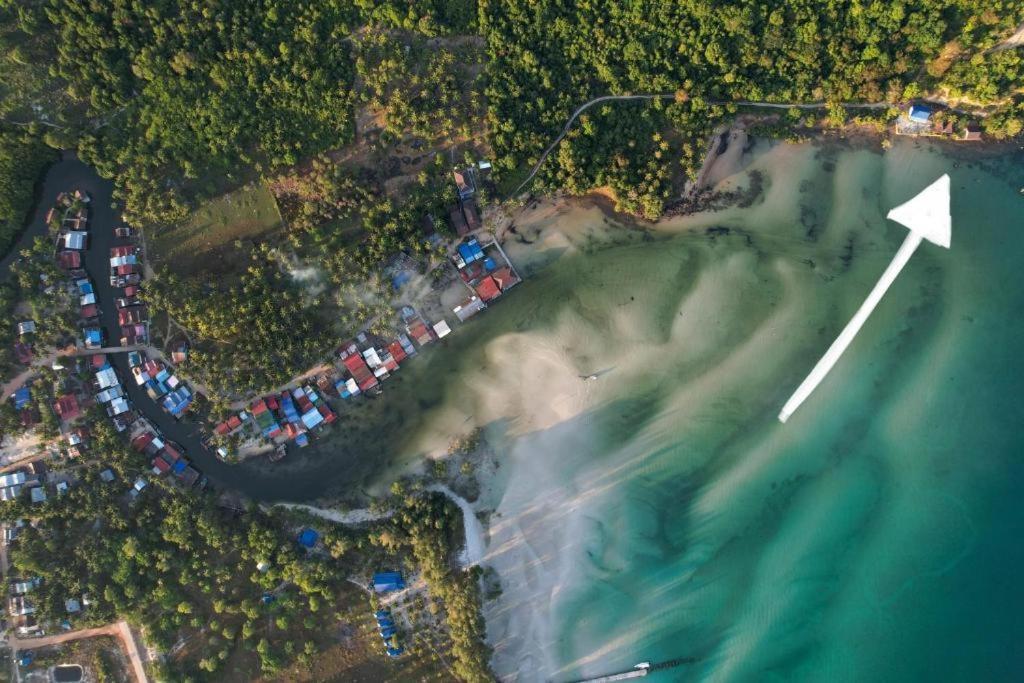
<point>360,372</point>
<point>234,422</point>
<point>972,132</point>
<point>99,360</point>
<point>420,332</point>
<point>505,278</point>
<point>67,407</point>
<point>488,289</point>
<point>469,211</point>
<point>69,260</point>
<point>459,224</point>
<point>464,183</point>
<point>160,465</point>
<point>128,316</point>
<point>396,351</point>
<point>171,453</point>
<point>140,442</point>
<point>325,410</point>
<point>89,311</point>
<point>222,429</point>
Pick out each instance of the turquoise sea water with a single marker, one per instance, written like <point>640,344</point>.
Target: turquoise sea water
<point>875,537</point>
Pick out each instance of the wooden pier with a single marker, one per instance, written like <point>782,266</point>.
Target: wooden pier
<point>638,671</point>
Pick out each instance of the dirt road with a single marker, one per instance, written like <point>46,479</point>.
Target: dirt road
<point>119,630</point>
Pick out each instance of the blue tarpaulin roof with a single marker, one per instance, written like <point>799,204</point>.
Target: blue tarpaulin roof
<point>93,335</point>
<point>388,581</point>
<point>177,400</point>
<point>312,418</point>
<point>308,538</point>
<point>919,113</point>
<point>21,397</point>
<point>302,440</point>
<point>400,279</point>
<point>179,466</point>
<point>288,407</point>
<point>466,252</point>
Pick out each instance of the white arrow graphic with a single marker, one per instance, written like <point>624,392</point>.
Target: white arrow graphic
<point>927,216</point>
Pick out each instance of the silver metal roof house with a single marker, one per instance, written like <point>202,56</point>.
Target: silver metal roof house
<point>468,308</point>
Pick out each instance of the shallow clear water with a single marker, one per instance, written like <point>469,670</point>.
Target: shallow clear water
<point>662,512</point>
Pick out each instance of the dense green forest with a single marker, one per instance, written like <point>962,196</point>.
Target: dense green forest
<point>547,58</point>
<point>257,333</point>
<point>178,100</point>
<point>23,156</point>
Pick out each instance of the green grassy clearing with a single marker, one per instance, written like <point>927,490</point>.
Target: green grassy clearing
<point>207,239</point>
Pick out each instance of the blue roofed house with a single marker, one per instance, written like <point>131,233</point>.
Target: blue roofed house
<point>919,113</point>
<point>93,337</point>
<point>308,538</point>
<point>384,582</point>
<point>312,418</point>
<point>22,397</point>
<point>177,401</point>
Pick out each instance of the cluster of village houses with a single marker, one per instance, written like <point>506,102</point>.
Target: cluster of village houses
<point>381,583</point>
<point>106,388</point>
<point>368,360</point>
<point>21,607</point>
<point>290,416</point>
